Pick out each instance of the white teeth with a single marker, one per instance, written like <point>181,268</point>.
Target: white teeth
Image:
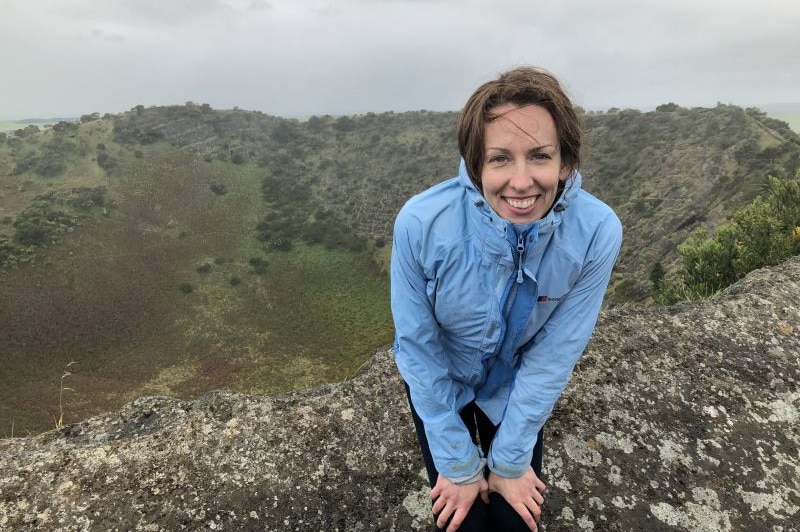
<point>521,204</point>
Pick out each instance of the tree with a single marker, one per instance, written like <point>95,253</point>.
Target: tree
<point>26,132</point>
<point>65,127</point>
<point>106,161</point>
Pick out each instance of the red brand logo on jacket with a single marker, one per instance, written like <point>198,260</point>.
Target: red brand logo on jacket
<point>547,299</point>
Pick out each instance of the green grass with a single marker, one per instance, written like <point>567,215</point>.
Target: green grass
<point>6,125</point>
<point>11,125</point>
<point>331,309</point>
<point>313,318</point>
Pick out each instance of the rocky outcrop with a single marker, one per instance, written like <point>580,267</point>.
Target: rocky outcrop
<point>680,418</point>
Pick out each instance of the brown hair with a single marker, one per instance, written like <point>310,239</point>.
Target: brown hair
<point>520,86</point>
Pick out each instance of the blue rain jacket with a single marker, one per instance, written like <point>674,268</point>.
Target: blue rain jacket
<point>462,334</point>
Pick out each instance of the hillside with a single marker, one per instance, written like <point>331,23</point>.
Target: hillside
<point>671,171</point>
<point>666,172</point>
<point>680,418</point>
<point>175,250</point>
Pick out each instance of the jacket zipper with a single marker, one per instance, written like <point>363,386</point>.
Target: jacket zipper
<point>521,254</point>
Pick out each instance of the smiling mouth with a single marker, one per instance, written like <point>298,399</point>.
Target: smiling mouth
<point>521,203</point>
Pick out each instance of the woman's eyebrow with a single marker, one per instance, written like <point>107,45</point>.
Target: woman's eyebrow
<point>536,148</point>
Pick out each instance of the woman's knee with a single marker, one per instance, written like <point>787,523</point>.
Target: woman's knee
<point>503,517</point>
<point>476,519</point>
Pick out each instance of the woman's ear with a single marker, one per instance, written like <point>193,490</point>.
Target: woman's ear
<point>565,172</point>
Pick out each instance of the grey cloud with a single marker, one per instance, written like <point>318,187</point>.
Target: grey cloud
<point>259,5</point>
<point>290,57</point>
<point>113,37</point>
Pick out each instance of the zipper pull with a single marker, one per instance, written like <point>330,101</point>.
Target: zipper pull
<point>521,252</point>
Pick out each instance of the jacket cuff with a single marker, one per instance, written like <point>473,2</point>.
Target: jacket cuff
<point>474,477</point>
<point>507,470</point>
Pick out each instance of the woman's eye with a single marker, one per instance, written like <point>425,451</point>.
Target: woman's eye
<point>498,159</point>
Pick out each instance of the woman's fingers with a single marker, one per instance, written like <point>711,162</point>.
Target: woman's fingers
<point>527,514</point>
<point>538,497</point>
<point>444,517</point>
<point>484,491</point>
<point>455,522</point>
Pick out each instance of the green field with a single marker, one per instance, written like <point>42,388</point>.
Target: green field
<point>12,125</point>
<point>792,119</point>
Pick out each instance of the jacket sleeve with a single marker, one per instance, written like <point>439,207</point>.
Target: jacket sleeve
<point>422,360</point>
<point>547,363</point>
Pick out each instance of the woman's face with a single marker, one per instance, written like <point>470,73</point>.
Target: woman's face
<point>522,163</point>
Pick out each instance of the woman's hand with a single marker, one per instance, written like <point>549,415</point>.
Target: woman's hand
<point>453,501</point>
<point>524,494</point>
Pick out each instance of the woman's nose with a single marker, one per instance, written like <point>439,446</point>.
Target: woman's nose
<point>520,178</point>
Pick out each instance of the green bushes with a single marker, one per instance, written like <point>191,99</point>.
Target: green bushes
<point>762,233</point>
<point>259,265</point>
<point>34,232</point>
<point>48,218</point>
<point>127,132</point>
<point>106,161</point>
<point>218,188</point>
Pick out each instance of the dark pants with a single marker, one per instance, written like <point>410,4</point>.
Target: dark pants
<point>498,515</point>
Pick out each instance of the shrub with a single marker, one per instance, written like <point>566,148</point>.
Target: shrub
<point>105,161</point>
<point>186,288</point>
<point>34,232</point>
<point>218,188</point>
<point>762,233</point>
<point>85,198</point>
<point>259,265</point>
<point>50,167</point>
<point>281,244</point>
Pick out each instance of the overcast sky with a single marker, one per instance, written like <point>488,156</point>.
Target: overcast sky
<point>62,58</point>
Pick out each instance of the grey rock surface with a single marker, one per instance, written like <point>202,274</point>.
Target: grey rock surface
<point>680,418</point>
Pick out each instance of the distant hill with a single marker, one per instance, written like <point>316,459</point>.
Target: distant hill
<point>786,112</point>
<point>12,125</point>
<point>173,250</point>
<point>787,108</point>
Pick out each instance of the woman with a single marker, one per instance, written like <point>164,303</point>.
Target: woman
<point>497,278</point>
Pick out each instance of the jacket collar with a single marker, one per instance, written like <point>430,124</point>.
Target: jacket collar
<point>481,207</point>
